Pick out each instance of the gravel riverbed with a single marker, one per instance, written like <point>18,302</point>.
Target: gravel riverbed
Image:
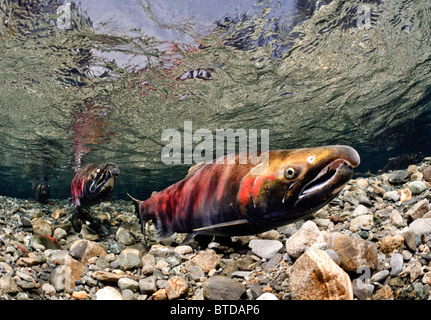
<point>371,242</point>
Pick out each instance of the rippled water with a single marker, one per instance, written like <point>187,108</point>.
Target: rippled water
<point>103,85</point>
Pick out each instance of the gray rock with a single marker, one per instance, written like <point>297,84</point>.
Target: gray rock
<point>362,290</point>
<point>407,255</point>
<point>8,285</point>
<point>255,290</point>
<point>115,248</point>
<point>273,262</point>
<point>24,276</point>
<point>195,273</point>
<point>360,210</point>
<point>59,234</point>
<point>128,261</point>
<point>417,187</point>
<point>418,210</point>
<point>334,256</point>
<point>173,261</point>
<point>419,289</point>
<point>26,221</point>
<point>124,237</point>
<point>397,219</point>
<point>287,230</point>
<point>365,220</point>
<point>128,294</point>
<point>223,288</point>
<point>398,177</point>
<point>397,262</point>
<point>421,226</point>
<point>391,195</point>
<point>48,289</point>
<point>149,264</point>
<point>308,236</point>
<point>380,276</point>
<point>148,285</point>
<point>410,240</point>
<point>128,284</point>
<point>265,248</point>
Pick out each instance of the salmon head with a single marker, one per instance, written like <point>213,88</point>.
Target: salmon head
<point>93,184</point>
<point>41,191</point>
<point>295,183</point>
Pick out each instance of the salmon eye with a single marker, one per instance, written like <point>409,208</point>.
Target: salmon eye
<point>290,173</point>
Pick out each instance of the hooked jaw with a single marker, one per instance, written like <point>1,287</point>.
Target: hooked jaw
<point>93,184</point>
<point>104,178</point>
<point>336,171</point>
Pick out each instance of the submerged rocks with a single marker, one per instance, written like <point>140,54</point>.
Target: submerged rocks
<point>353,253</point>
<point>398,177</point>
<point>418,210</point>
<point>315,276</point>
<point>373,241</point>
<point>8,285</point>
<point>421,226</point>
<point>223,288</point>
<point>265,248</point>
<point>83,250</point>
<point>206,260</point>
<point>108,293</point>
<point>176,287</point>
<point>308,236</point>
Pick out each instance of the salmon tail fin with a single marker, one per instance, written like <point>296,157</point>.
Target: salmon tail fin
<point>141,217</point>
<point>136,202</point>
<point>163,231</point>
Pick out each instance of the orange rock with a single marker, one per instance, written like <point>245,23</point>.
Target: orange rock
<point>58,213</point>
<point>389,244</point>
<point>405,194</point>
<point>315,276</point>
<point>80,295</point>
<point>176,287</point>
<point>384,293</point>
<point>206,260</point>
<point>159,295</point>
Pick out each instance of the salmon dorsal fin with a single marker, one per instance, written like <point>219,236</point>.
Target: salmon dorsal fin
<point>194,168</point>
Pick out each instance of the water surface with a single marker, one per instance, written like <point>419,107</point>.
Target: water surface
<point>103,86</point>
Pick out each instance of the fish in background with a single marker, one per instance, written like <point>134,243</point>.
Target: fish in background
<point>41,191</point>
<point>222,199</point>
<point>91,185</point>
<point>402,161</point>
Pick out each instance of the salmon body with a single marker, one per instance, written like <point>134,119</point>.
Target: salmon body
<point>243,199</point>
<point>93,184</point>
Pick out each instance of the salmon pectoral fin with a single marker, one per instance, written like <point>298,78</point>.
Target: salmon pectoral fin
<point>223,225</point>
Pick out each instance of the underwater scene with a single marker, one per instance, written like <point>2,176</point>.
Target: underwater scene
<point>170,149</point>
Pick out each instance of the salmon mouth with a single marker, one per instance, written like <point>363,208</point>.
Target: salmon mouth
<point>103,177</point>
<point>330,180</point>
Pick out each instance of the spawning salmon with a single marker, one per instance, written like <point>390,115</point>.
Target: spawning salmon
<point>243,199</point>
<point>91,185</point>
